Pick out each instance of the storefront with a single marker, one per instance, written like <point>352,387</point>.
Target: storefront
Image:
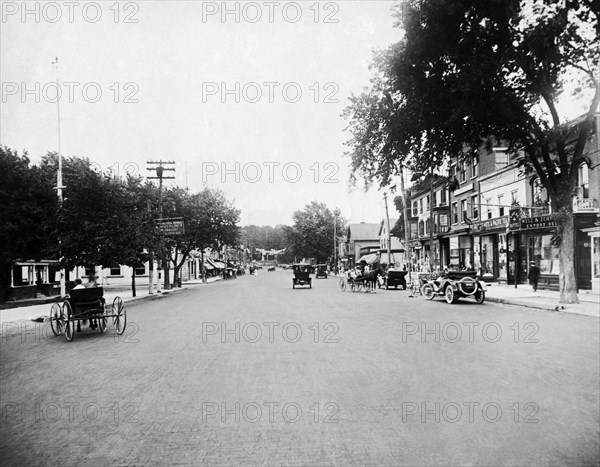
<point>489,237</point>
<point>536,243</point>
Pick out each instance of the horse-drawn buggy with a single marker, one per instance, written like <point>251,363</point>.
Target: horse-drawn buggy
<point>453,285</point>
<point>86,304</point>
<point>364,281</point>
<point>302,275</point>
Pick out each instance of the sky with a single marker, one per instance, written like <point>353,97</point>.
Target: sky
<point>245,97</point>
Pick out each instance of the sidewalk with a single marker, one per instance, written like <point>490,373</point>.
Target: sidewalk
<point>42,311</point>
<point>523,295</point>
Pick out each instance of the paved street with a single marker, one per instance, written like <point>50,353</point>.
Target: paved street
<point>250,371</point>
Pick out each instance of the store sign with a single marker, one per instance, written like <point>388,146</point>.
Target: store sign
<point>539,222</point>
<point>171,227</point>
<point>490,224</point>
<point>514,222</point>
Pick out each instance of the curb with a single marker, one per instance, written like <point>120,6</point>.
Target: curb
<point>509,301</point>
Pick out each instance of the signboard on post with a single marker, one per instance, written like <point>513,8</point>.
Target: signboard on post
<point>171,227</point>
<point>514,219</point>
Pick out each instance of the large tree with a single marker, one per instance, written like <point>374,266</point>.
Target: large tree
<point>210,220</point>
<point>311,236</point>
<point>27,207</point>
<point>467,71</point>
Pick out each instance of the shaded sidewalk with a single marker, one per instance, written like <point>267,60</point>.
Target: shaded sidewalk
<point>30,311</point>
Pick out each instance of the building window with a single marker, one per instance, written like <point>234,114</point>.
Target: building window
<point>501,205</point>
<point>443,222</point>
<point>427,201</point>
<point>474,167</point>
<point>90,272</point>
<point>415,211</point>
<point>488,207</point>
<point>116,271</point>
<point>443,197</point>
<point>583,182</point>
<point>421,228</point>
<point>421,206</point>
<point>501,158</point>
<point>427,222</point>
<point>454,213</point>
<point>463,172</point>
<point>514,198</point>
<point>463,208</point>
<point>141,271</point>
<point>474,207</point>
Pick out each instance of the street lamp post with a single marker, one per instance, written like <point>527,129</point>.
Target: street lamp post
<point>59,179</point>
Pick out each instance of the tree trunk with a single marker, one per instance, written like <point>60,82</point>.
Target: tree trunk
<point>133,282</point>
<point>566,255</point>
<point>167,282</point>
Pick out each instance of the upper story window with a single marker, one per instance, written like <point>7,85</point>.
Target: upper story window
<point>415,211</point>
<point>474,207</point>
<point>488,202</point>
<point>474,167</point>
<point>501,156</point>
<point>116,271</point>
<point>583,182</point>
<point>443,200</point>
<point>463,209</point>
<point>421,206</point>
<point>514,197</point>
<point>501,205</point>
<point>463,172</point>
<point>454,213</point>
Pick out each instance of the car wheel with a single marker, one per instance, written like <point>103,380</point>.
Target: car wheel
<point>480,296</point>
<point>450,294</point>
<point>427,291</point>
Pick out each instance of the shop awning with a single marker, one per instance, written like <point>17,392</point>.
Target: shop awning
<point>208,266</point>
<point>369,259</point>
<point>219,265</point>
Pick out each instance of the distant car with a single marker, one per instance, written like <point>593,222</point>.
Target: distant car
<point>321,271</point>
<point>271,268</point>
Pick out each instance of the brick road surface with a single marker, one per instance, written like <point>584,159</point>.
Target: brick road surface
<point>359,386</point>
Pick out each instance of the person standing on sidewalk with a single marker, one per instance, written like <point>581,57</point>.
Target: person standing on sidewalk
<point>533,276</point>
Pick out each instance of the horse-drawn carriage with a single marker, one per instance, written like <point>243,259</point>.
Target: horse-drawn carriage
<point>86,304</point>
<point>302,275</point>
<point>366,281</point>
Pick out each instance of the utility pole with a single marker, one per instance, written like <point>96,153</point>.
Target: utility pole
<point>59,180</point>
<point>159,168</point>
<point>389,234</point>
<point>334,242</point>
<point>406,223</point>
<point>431,220</point>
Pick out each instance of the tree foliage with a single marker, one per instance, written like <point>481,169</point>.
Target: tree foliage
<point>27,207</point>
<point>311,236</point>
<point>468,71</point>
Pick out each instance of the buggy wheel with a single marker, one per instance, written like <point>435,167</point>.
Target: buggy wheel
<point>450,294</point>
<point>480,296</point>
<point>57,320</point>
<point>427,291</point>
<point>69,321</point>
<point>102,320</point>
<point>119,315</point>
<point>352,286</point>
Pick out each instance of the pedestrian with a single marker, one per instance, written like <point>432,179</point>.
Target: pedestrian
<point>534,275</point>
<point>78,285</point>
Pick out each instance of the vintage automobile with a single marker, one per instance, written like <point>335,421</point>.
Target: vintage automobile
<point>321,271</point>
<point>302,273</point>
<point>454,285</point>
<point>395,279</point>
